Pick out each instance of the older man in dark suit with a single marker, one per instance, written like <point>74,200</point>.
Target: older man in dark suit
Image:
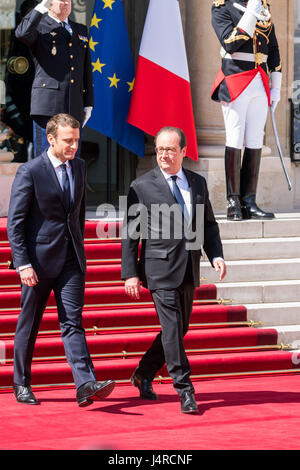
<point>46,232</point>
<point>63,81</point>
<point>170,257</point>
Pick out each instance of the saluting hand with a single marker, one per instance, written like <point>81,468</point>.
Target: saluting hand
<point>44,5</point>
<point>255,6</point>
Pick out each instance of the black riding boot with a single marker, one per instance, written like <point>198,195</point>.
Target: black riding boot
<point>249,178</point>
<point>232,172</point>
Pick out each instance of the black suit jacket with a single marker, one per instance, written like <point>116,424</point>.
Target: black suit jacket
<point>63,81</point>
<point>39,227</point>
<point>163,260</point>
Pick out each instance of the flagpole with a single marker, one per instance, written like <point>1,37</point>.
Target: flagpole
<point>108,170</point>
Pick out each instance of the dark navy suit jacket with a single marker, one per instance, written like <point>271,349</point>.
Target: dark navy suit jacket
<point>39,226</point>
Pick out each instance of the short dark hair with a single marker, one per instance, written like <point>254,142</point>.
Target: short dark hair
<point>62,120</point>
<point>179,132</point>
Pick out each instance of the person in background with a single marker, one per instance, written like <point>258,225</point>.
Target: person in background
<point>63,80</point>
<point>249,51</point>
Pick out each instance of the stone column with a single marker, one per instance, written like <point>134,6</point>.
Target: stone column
<point>204,62</point>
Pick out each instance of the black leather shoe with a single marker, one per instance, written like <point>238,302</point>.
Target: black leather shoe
<point>25,395</point>
<point>250,210</point>
<point>234,211</point>
<point>188,403</point>
<point>94,391</point>
<point>145,387</point>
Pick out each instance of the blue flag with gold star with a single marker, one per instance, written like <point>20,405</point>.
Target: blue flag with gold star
<point>113,74</point>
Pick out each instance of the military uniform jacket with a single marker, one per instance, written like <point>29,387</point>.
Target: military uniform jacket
<point>236,71</point>
<point>63,81</point>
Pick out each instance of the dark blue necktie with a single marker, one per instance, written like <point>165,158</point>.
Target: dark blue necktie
<point>66,27</point>
<point>178,196</point>
<point>66,187</point>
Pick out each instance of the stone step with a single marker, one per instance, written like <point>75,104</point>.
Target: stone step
<point>288,335</point>
<point>255,270</point>
<point>271,314</point>
<point>261,248</point>
<point>284,225</point>
<point>256,292</point>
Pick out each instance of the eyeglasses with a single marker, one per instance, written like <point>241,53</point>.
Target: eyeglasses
<point>168,150</point>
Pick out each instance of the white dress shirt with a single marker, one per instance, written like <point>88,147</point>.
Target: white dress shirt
<point>185,190</point>
<point>59,172</point>
<point>183,186</point>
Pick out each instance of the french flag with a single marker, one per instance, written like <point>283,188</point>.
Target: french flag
<point>162,92</point>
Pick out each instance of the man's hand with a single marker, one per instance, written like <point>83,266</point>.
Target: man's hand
<point>133,287</point>
<point>220,266</point>
<point>255,7</point>
<point>87,114</point>
<point>276,79</point>
<point>44,6</point>
<point>28,277</point>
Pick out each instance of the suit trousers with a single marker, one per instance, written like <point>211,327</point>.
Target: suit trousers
<point>174,308</point>
<point>68,289</point>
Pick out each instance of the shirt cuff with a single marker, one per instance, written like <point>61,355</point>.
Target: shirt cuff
<point>218,258</point>
<point>20,268</point>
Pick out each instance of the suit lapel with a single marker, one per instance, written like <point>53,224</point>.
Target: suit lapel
<point>194,191</point>
<point>53,177</point>
<point>164,188</point>
<point>75,180</point>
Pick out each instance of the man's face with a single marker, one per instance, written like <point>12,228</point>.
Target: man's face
<point>64,146</point>
<point>169,155</point>
<point>61,9</point>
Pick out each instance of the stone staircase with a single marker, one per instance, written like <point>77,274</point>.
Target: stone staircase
<point>263,272</point>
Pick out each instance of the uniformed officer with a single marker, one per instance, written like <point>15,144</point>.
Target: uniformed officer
<point>63,81</point>
<point>249,51</point>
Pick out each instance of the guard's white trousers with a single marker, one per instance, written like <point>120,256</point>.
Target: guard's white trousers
<point>245,117</point>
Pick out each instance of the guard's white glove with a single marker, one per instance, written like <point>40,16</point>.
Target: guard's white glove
<point>44,6</point>
<point>255,7</point>
<point>249,19</point>
<point>275,85</point>
<point>87,114</point>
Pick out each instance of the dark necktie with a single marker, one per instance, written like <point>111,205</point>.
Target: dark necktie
<point>66,187</point>
<point>178,196</point>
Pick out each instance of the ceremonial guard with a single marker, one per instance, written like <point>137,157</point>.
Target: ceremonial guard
<point>249,53</point>
<point>63,81</point>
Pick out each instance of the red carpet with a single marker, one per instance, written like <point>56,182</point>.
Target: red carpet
<point>239,414</point>
<point>221,343</point>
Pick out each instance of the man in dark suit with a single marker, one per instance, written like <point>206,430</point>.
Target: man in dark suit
<point>63,81</point>
<point>170,259</point>
<point>46,232</point>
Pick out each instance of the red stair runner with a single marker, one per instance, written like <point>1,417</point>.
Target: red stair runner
<point>220,340</point>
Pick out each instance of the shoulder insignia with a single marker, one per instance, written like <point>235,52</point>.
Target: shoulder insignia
<point>218,3</point>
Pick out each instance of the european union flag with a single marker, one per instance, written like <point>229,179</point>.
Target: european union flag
<point>113,74</point>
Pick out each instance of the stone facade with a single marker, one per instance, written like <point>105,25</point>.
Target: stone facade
<point>204,61</point>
